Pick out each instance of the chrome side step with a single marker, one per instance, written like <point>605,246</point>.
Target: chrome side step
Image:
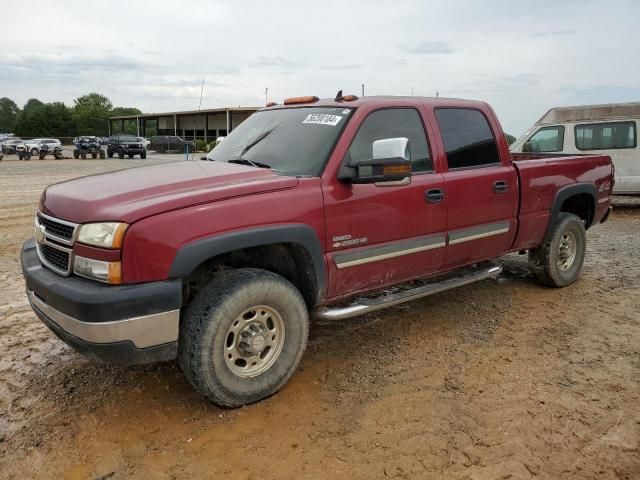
<point>367,305</point>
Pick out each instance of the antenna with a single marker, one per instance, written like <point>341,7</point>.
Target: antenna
<point>266,95</point>
<point>363,89</point>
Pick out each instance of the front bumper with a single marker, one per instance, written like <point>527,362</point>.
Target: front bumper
<point>125,324</point>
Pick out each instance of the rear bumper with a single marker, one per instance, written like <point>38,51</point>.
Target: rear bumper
<point>125,324</point>
<point>606,215</point>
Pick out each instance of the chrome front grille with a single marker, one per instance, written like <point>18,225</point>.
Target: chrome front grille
<point>54,242</point>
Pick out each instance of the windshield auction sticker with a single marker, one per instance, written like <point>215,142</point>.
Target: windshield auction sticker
<point>322,119</point>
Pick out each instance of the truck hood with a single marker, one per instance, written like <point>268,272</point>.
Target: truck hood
<point>132,194</point>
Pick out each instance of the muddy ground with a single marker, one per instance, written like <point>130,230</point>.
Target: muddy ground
<point>500,379</point>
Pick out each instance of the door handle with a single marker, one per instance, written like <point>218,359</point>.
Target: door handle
<point>500,186</point>
<point>434,195</point>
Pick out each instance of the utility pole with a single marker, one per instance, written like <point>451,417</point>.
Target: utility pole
<point>201,90</point>
<point>363,89</point>
<point>266,95</point>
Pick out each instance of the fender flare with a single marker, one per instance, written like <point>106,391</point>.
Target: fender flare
<point>194,253</point>
<point>569,191</point>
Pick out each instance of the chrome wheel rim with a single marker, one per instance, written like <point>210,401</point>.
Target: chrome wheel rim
<point>566,251</point>
<point>254,341</point>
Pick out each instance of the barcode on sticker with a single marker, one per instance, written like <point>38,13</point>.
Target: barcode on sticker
<point>322,119</point>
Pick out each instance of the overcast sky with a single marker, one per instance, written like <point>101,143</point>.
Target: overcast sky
<point>522,57</point>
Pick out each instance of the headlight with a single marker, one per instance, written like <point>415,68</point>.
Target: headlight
<point>106,235</point>
<point>108,272</point>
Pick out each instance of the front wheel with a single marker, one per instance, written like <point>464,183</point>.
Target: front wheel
<point>243,336</point>
<point>557,262</point>
<point>143,155</point>
<point>34,152</point>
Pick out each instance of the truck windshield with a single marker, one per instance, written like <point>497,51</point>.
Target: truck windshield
<point>291,141</point>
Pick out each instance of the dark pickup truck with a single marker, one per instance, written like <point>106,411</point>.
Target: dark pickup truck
<point>314,207</point>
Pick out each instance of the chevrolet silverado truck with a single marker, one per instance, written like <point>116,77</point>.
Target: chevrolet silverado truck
<point>310,208</point>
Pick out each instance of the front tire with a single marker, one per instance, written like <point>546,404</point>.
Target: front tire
<point>143,155</point>
<point>34,152</point>
<point>557,262</point>
<point>243,336</point>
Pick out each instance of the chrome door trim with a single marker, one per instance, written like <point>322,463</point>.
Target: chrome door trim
<point>392,250</point>
<point>480,231</point>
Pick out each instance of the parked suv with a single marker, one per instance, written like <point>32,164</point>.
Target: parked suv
<point>126,145</point>
<point>314,208</point>
<point>36,144</point>
<point>9,144</point>
<point>163,144</point>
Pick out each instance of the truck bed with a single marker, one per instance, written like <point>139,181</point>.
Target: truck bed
<point>542,177</point>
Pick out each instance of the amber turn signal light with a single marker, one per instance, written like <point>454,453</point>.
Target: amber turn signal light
<point>396,169</point>
<point>307,99</point>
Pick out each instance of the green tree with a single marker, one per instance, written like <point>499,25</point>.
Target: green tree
<point>510,138</point>
<point>129,125</point>
<point>8,115</point>
<point>91,114</point>
<point>31,121</point>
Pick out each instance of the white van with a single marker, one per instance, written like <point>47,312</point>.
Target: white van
<point>610,129</point>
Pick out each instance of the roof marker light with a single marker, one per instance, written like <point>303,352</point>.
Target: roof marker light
<point>307,99</point>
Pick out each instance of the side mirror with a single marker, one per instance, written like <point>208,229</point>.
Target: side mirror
<point>527,147</point>
<point>390,162</point>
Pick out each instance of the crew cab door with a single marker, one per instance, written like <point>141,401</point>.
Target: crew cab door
<point>385,233</point>
<point>481,187</point>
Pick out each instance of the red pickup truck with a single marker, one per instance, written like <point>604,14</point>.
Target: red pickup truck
<point>314,207</point>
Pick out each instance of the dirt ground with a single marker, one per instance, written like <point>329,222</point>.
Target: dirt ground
<point>500,379</point>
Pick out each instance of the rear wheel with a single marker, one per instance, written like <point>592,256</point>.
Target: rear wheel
<point>557,262</point>
<point>243,336</point>
<point>34,152</point>
<point>76,154</point>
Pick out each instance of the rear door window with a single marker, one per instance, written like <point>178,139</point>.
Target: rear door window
<point>467,137</point>
<point>606,136</point>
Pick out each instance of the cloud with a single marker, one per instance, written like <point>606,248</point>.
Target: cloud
<point>555,33</point>
<point>429,48</point>
<point>64,64</point>
<point>278,62</point>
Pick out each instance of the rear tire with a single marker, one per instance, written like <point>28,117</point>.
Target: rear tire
<point>76,154</point>
<point>236,307</point>
<point>34,152</point>
<point>557,262</point>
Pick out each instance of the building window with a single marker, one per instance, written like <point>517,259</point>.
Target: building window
<point>392,123</point>
<point>467,136</point>
<point>547,139</point>
<point>606,136</point>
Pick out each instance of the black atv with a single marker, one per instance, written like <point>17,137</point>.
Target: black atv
<point>23,152</point>
<point>87,146</point>
<point>45,150</point>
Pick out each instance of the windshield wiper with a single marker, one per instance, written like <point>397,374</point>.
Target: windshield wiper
<point>246,161</point>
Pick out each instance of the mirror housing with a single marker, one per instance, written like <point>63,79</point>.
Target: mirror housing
<point>527,147</point>
<point>390,162</point>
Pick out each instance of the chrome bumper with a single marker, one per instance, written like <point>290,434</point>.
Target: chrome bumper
<point>144,332</point>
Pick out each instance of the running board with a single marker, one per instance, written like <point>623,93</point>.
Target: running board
<point>367,305</point>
